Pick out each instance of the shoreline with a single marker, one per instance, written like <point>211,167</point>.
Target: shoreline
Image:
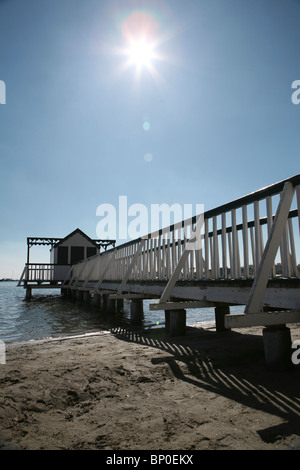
<point>15,344</point>
<point>128,390</point>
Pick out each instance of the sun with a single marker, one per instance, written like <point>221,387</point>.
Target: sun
<point>141,53</point>
<point>141,46</point>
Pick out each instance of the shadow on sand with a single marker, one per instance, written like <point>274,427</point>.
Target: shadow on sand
<point>230,364</point>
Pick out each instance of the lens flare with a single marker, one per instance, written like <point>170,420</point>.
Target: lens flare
<point>148,157</point>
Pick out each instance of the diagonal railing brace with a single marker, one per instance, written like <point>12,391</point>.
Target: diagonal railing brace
<point>129,269</point>
<point>193,243</point>
<point>263,273</point>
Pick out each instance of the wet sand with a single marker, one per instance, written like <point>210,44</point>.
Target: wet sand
<point>123,390</point>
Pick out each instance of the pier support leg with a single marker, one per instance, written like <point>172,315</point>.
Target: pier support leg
<point>167,320</point>
<point>28,293</point>
<point>120,304</point>
<point>277,346</point>
<point>136,310</point>
<point>177,322</point>
<point>78,294</point>
<point>111,305</point>
<point>104,300</point>
<point>220,313</point>
<point>96,299</point>
<point>86,296</point>
<point>74,293</point>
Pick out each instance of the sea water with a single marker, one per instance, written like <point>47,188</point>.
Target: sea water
<point>48,314</point>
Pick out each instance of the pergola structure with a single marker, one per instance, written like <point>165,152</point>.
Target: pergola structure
<point>49,241</point>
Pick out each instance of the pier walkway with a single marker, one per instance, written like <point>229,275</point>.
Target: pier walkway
<point>245,252</point>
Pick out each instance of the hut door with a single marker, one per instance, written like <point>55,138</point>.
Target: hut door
<point>77,254</point>
<point>62,255</point>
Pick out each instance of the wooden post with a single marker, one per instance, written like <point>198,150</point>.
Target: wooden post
<point>177,322</point>
<point>111,305</point>
<point>104,300</point>
<point>136,310</point>
<point>277,347</point>
<point>220,313</point>
<point>96,299</point>
<point>79,294</point>
<point>167,320</point>
<point>28,293</point>
<point>28,250</point>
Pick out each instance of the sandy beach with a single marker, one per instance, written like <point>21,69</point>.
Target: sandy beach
<point>123,390</point>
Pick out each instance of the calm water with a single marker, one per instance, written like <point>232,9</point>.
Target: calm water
<point>48,315</point>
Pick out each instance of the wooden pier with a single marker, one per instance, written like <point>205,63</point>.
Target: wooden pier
<point>245,252</point>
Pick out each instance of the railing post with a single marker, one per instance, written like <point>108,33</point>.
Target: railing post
<point>293,250</point>
<point>132,264</point>
<point>253,250</point>
<point>206,249</point>
<point>298,204</point>
<point>224,246</point>
<point>257,234</point>
<point>286,262</point>
<point>235,246</point>
<point>245,242</point>
<point>215,261</point>
<point>270,223</point>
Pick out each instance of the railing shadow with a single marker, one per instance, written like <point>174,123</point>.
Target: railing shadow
<point>232,365</point>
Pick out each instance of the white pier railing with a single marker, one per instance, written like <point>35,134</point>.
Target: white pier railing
<point>233,239</point>
<point>43,273</point>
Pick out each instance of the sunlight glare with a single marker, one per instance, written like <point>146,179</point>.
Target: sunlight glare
<point>141,53</point>
<point>141,46</point>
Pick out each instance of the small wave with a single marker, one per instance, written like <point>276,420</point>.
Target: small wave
<point>31,342</point>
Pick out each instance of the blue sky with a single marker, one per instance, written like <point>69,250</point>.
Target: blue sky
<point>221,122</point>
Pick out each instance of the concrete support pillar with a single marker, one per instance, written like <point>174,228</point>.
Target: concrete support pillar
<point>177,322</point>
<point>111,305</point>
<point>277,345</point>
<point>28,293</point>
<point>104,300</point>
<point>73,293</point>
<point>136,306</point>
<point>86,296</point>
<point>78,294</point>
<point>120,304</point>
<point>136,310</point>
<point>96,299</point>
<point>220,313</point>
<point>167,320</point>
